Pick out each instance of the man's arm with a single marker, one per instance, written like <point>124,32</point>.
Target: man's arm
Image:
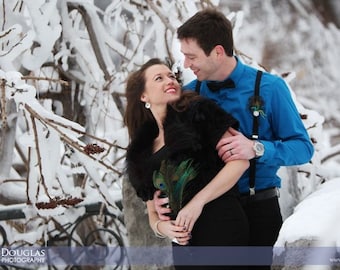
<point>160,208</point>
<point>283,133</point>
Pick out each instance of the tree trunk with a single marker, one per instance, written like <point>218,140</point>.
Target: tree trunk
<point>140,235</point>
<point>7,143</point>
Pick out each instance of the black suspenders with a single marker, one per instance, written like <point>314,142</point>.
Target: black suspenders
<point>255,131</point>
<point>255,135</point>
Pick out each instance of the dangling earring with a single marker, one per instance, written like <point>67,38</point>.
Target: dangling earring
<point>147,105</point>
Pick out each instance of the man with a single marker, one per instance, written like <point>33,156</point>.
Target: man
<point>280,138</point>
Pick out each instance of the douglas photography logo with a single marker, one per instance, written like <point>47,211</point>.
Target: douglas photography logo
<point>23,256</point>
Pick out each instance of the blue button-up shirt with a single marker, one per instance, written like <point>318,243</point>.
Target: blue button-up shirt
<point>281,130</point>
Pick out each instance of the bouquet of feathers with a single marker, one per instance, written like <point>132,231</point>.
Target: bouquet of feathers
<point>171,180</point>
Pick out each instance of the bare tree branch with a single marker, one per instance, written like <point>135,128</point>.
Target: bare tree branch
<point>93,37</point>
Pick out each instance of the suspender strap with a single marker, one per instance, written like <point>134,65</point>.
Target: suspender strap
<point>255,135</point>
<point>256,98</point>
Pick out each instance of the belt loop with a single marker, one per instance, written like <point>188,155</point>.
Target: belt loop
<point>252,191</point>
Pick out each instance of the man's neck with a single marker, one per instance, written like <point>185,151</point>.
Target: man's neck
<point>226,68</point>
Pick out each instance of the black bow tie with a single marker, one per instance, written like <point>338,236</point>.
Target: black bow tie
<point>216,86</point>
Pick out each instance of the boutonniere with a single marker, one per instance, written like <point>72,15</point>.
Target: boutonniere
<point>256,105</point>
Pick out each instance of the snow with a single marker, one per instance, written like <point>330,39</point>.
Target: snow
<point>316,217</point>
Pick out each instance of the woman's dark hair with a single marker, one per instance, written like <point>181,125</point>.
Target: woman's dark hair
<point>136,113</point>
<point>209,27</point>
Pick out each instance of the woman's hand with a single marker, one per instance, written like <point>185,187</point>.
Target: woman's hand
<point>177,234</point>
<point>188,215</point>
<point>167,228</point>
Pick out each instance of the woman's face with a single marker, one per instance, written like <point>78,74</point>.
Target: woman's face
<point>161,86</point>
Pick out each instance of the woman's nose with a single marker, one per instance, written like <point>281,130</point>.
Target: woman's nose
<point>170,80</point>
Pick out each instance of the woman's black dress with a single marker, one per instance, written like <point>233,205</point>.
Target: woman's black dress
<point>192,134</point>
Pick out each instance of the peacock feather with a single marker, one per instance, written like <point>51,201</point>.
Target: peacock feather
<point>172,180</point>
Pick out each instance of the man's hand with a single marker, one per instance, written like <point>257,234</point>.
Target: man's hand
<point>235,147</point>
<point>159,202</point>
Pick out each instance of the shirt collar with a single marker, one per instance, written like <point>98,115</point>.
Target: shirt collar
<point>236,74</point>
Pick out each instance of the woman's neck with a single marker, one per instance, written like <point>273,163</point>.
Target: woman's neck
<point>158,143</point>
<point>159,115</point>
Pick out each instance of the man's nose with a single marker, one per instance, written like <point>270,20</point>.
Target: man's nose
<point>187,63</point>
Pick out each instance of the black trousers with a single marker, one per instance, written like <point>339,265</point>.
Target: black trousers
<point>265,221</point>
<point>222,223</point>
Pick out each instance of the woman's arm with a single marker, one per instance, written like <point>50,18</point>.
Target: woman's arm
<point>224,180</point>
<point>168,229</point>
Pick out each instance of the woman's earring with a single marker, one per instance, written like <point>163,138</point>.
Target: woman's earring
<point>147,105</point>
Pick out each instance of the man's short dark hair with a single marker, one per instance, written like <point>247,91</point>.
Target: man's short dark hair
<point>209,27</point>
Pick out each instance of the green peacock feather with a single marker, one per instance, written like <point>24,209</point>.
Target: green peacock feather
<point>159,176</point>
<point>172,180</point>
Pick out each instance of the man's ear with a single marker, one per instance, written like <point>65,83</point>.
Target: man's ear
<point>219,50</point>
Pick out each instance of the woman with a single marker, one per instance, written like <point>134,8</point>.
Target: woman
<point>173,138</point>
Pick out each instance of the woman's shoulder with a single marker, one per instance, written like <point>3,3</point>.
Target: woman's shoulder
<point>143,140</point>
<point>209,115</point>
<point>191,100</point>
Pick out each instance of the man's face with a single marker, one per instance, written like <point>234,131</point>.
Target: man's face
<point>203,66</point>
